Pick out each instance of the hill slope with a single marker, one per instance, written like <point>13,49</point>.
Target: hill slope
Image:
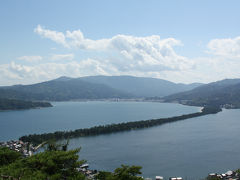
<point>221,93</point>
<point>94,87</point>
<point>141,86</point>
<point>61,90</point>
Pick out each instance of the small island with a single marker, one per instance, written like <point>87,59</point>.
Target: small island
<point>15,104</point>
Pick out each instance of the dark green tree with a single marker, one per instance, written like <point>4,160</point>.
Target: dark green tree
<point>122,173</point>
<point>213,178</point>
<point>128,173</point>
<point>51,165</point>
<point>103,175</point>
<point>8,156</point>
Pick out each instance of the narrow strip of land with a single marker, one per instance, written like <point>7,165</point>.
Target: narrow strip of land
<point>111,128</point>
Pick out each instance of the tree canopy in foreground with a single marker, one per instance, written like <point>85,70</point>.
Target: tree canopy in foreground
<point>55,163</point>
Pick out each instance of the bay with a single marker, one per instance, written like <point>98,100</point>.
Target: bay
<point>76,115</point>
<point>192,148</point>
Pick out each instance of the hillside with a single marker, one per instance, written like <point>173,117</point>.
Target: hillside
<point>61,90</point>
<point>221,93</point>
<point>141,86</point>
<point>93,87</point>
<point>12,104</point>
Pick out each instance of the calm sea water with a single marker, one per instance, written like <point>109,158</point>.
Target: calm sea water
<point>191,148</point>
<point>75,115</point>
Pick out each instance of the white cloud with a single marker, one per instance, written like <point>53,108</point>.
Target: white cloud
<point>148,56</point>
<point>62,57</point>
<point>227,48</point>
<point>15,73</point>
<point>130,53</point>
<point>30,58</point>
<point>206,70</point>
<point>53,35</point>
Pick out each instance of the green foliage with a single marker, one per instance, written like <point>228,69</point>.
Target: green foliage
<point>213,178</point>
<point>13,104</point>
<point>53,146</point>
<point>127,173</point>
<point>8,156</point>
<point>52,165</point>
<point>56,163</point>
<point>103,175</point>
<point>122,173</point>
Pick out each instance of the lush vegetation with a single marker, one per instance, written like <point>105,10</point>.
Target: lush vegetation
<point>213,178</point>
<point>45,165</point>
<point>105,129</point>
<point>122,173</point>
<point>13,104</point>
<point>55,163</point>
<point>7,156</point>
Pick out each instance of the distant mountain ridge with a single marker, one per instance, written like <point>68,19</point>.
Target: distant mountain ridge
<point>221,93</point>
<point>141,86</point>
<point>93,87</point>
<point>225,93</point>
<point>62,89</point>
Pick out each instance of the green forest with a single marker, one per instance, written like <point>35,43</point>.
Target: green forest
<point>13,104</point>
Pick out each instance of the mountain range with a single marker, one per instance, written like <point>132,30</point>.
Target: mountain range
<point>225,93</point>
<point>221,93</point>
<point>141,86</point>
<point>94,87</point>
<point>61,90</point>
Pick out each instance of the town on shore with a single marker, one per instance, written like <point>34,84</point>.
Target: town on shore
<point>25,148</point>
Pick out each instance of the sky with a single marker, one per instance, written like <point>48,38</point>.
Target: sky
<point>182,41</point>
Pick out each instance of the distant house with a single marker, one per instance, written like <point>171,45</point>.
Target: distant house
<point>84,166</point>
<point>159,178</point>
<point>175,178</point>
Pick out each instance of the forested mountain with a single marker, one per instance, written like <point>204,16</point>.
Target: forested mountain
<point>141,86</point>
<point>12,104</point>
<point>221,93</point>
<point>93,87</point>
<point>62,89</point>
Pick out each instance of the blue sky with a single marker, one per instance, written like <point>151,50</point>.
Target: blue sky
<point>181,41</point>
